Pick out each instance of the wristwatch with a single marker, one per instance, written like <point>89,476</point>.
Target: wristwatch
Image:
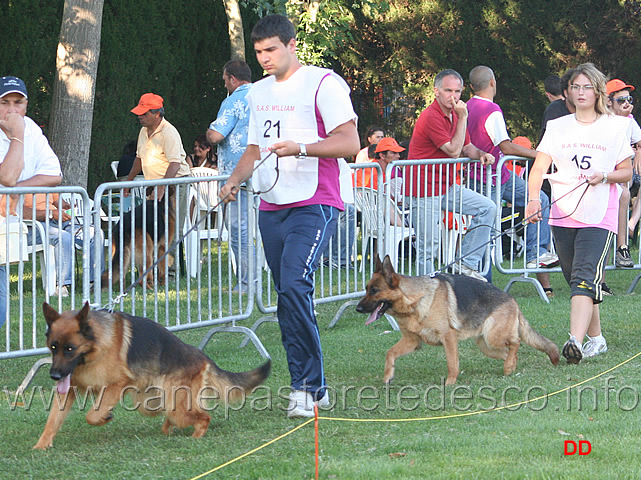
<point>605,177</point>
<point>303,151</point>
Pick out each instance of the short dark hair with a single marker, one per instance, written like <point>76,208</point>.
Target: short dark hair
<point>371,151</point>
<point>552,85</point>
<point>238,69</point>
<point>160,110</point>
<point>273,26</point>
<point>565,80</point>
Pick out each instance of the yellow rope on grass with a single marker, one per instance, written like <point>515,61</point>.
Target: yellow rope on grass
<point>420,419</point>
<point>255,449</point>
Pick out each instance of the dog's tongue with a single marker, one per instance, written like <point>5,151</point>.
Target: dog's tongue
<point>375,315</point>
<point>63,385</point>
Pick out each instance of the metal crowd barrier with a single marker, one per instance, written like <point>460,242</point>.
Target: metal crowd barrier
<point>383,220</point>
<point>514,262</point>
<point>34,245</point>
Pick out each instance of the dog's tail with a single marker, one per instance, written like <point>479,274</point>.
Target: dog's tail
<point>536,340</point>
<point>233,386</point>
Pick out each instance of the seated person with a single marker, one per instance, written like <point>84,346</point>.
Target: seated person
<point>386,151</point>
<point>374,135</point>
<point>126,160</point>
<point>63,232</point>
<point>203,155</point>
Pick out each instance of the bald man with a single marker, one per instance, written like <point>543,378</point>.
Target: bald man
<point>488,132</point>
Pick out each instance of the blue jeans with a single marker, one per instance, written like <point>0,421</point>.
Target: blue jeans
<point>294,239</point>
<point>344,240</point>
<point>238,237</point>
<point>427,218</point>
<point>64,241</point>
<point>538,236</point>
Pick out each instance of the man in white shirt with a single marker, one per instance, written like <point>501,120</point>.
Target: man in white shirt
<point>26,159</point>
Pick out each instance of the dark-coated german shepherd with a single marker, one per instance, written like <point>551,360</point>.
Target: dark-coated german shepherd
<point>444,309</point>
<point>114,354</point>
<point>157,232</point>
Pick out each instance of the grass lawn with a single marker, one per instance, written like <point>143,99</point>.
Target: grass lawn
<point>448,440</point>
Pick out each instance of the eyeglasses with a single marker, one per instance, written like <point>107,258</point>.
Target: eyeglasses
<point>585,88</point>
<point>622,100</point>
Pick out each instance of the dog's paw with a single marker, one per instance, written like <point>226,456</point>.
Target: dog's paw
<point>42,445</point>
<point>97,420</point>
<point>450,381</point>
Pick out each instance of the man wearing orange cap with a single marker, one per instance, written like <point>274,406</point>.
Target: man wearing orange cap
<point>620,102</point>
<point>160,153</point>
<point>387,151</point>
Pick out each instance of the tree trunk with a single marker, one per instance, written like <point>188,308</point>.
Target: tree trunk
<point>75,86</point>
<point>235,28</point>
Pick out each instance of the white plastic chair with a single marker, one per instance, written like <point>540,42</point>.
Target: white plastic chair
<point>14,232</point>
<point>366,200</point>
<point>451,234</point>
<point>203,196</point>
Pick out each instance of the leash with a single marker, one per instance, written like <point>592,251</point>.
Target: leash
<point>513,229</point>
<point>118,298</point>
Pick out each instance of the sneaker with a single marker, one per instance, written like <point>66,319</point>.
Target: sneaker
<point>572,350</point>
<point>623,258</point>
<point>61,292</point>
<point>240,288</point>
<point>548,260</point>
<point>594,346</point>
<point>301,404</point>
<point>465,270</point>
<point>606,290</point>
<point>532,264</point>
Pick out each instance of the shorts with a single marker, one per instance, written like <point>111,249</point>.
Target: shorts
<point>583,253</point>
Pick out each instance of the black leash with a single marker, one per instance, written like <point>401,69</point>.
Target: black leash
<point>513,229</point>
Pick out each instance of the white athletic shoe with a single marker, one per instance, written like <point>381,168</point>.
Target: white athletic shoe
<point>301,404</point>
<point>594,347</point>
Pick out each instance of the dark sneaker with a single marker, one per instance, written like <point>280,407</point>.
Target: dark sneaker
<point>606,290</point>
<point>623,258</point>
<point>572,350</point>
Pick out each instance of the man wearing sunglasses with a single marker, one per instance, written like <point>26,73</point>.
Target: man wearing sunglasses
<point>620,101</point>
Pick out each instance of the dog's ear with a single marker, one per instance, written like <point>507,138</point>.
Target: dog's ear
<point>50,314</point>
<point>388,272</point>
<point>83,321</point>
<point>83,315</point>
<point>378,266</point>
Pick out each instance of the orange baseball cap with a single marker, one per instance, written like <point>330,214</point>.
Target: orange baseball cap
<point>388,143</point>
<point>616,85</point>
<point>523,142</point>
<point>149,101</point>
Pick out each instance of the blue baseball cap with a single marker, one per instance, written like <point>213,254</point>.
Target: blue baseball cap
<point>12,85</point>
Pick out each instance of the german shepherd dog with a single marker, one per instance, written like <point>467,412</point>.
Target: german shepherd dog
<point>114,354</point>
<point>445,309</point>
<point>153,228</point>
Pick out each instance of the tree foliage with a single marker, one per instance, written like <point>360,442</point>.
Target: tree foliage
<point>388,51</point>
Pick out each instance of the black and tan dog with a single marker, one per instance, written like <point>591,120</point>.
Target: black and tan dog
<point>115,354</point>
<point>157,231</point>
<point>445,309</point>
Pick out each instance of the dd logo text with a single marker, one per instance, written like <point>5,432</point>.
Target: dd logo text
<point>570,447</point>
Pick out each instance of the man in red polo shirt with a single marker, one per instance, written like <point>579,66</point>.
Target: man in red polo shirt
<point>441,132</point>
